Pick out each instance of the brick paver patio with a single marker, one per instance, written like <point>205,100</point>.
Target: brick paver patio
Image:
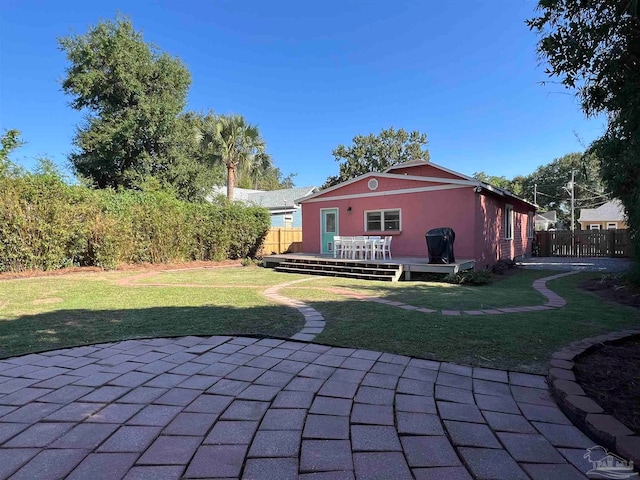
<point>225,407</point>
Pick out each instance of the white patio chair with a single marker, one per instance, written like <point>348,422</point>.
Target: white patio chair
<point>376,247</point>
<point>337,245</point>
<point>346,247</point>
<point>385,246</point>
<point>360,247</point>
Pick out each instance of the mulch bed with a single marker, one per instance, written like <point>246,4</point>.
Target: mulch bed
<point>124,267</point>
<point>614,290</point>
<point>610,375</point>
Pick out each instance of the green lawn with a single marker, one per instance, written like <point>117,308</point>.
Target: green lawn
<point>264,277</point>
<point>504,292</point>
<point>522,342</point>
<point>54,312</point>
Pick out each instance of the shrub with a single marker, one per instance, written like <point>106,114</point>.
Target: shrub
<point>46,224</point>
<point>502,265</point>
<point>469,277</point>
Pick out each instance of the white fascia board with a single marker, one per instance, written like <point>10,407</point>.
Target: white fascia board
<point>447,181</point>
<point>385,193</point>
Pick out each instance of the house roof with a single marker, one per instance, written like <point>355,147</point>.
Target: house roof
<point>285,197</point>
<point>548,217</point>
<point>239,194</point>
<point>612,211</point>
<point>463,180</point>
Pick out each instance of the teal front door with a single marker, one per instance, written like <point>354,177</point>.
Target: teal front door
<point>329,228</point>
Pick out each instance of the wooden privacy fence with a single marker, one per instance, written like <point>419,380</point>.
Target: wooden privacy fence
<point>582,243</point>
<point>282,240</point>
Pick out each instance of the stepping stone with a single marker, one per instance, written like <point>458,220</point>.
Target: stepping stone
<point>381,466</point>
<point>529,448</point>
<point>471,434</point>
<point>429,452</point>
<point>492,463</point>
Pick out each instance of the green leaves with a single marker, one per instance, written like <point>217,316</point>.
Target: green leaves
<point>46,224</point>
<point>132,94</point>
<point>230,140</point>
<point>376,153</point>
<point>593,47</point>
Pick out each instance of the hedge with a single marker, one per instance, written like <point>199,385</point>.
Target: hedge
<point>47,224</point>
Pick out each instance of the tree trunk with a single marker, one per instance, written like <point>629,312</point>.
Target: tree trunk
<point>231,181</point>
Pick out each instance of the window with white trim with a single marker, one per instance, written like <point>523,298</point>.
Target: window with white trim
<point>382,220</point>
<point>612,226</point>
<point>594,226</point>
<point>508,222</point>
<point>530,225</point>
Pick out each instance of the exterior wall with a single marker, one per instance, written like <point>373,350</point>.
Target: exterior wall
<point>491,244</point>
<point>420,212</point>
<point>277,219</point>
<point>586,225</point>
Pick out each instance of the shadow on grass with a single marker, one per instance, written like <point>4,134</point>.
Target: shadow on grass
<point>66,328</point>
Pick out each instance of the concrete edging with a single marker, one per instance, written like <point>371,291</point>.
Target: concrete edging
<point>583,411</point>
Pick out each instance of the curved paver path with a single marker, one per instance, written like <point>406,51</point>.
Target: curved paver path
<point>553,300</point>
<point>225,407</point>
<point>315,322</point>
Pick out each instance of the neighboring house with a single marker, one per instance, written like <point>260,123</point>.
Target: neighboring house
<point>609,216</point>
<point>409,199</point>
<point>284,210</point>
<point>545,221</point>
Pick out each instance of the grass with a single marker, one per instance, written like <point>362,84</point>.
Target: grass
<point>505,292</point>
<point>81,308</point>
<point>261,277</point>
<point>522,342</point>
<point>54,312</point>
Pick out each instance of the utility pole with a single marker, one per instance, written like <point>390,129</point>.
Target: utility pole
<point>535,194</point>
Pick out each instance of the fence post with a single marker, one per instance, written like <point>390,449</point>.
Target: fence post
<point>612,243</point>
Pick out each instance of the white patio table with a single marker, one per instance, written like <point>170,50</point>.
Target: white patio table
<point>359,247</point>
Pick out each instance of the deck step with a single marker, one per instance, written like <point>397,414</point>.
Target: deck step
<point>341,268</point>
<point>336,273</point>
<point>342,263</point>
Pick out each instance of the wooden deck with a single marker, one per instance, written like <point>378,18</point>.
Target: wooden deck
<point>406,265</point>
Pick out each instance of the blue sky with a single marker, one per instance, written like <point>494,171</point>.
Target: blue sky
<point>313,75</point>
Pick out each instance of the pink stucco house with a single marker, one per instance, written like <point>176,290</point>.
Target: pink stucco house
<point>409,199</point>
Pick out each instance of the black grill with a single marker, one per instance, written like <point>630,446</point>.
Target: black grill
<point>440,245</point>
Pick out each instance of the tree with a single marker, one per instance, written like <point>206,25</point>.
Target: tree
<point>376,153</point>
<point>132,94</point>
<point>548,186</point>
<point>229,139</point>
<point>9,141</point>
<point>191,173</point>
<point>501,182</point>
<point>593,47</point>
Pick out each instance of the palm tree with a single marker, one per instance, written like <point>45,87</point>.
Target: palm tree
<point>234,142</point>
<point>257,171</point>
